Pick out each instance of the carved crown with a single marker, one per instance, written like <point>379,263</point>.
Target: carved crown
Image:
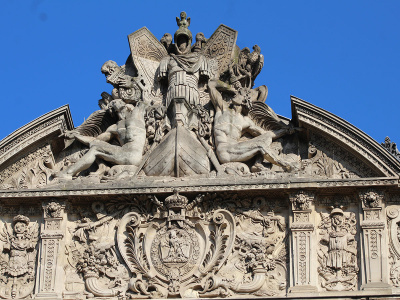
<point>21,218</point>
<point>176,201</point>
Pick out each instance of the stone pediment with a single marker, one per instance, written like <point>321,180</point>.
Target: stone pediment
<point>349,138</point>
<point>186,184</point>
<point>330,149</point>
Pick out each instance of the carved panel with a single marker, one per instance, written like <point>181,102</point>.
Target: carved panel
<point>335,162</point>
<point>205,247</point>
<point>337,254</point>
<point>18,258</point>
<point>221,46</point>
<point>147,53</point>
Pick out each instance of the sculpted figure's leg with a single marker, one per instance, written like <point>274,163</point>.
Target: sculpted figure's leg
<point>239,152</point>
<point>82,164</point>
<point>274,158</point>
<point>242,151</point>
<point>97,149</point>
<point>246,150</point>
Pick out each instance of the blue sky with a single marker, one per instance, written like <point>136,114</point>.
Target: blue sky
<point>343,56</point>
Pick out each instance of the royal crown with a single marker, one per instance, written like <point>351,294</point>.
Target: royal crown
<point>176,201</point>
<point>21,218</point>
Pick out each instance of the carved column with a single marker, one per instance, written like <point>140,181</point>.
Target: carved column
<point>50,271</point>
<point>302,275</point>
<point>374,245</point>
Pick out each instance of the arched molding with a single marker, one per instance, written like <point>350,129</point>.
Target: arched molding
<point>345,135</point>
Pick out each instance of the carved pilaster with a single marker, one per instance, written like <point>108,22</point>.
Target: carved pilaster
<point>302,272</point>
<point>50,275</point>
<point>374,245</point>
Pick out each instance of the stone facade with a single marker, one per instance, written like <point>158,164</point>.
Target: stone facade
<point>185,184</point>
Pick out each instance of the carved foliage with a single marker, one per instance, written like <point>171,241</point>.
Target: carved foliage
<point>31,171</point>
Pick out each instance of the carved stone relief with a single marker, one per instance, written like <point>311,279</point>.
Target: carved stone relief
<point>206,247</point>
<point>31,171</point>
<point>393,223</point>
<point>18,257</point>
<point>267,206</point>
<point>328,160</point>
<point>337,254</point>
<point>391,147</point>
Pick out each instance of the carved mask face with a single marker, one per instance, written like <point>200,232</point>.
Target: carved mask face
<point>20,227</point>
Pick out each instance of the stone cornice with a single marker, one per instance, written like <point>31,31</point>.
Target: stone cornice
<point>205,185</point>
<point>39,129</point>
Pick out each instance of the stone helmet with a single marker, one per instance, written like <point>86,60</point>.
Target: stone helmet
<point>186,33</point>
<point>336,211</point>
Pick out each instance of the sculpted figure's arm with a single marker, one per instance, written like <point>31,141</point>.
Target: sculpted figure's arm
<point>105,136</point>
<point>253,129</point>
<point>214,87</point>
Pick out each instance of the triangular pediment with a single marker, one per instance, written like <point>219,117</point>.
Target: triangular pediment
<point>329,150</point>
